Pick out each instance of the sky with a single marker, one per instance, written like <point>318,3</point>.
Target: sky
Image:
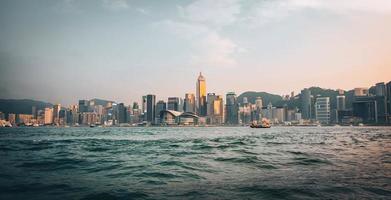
<point>60,51</point>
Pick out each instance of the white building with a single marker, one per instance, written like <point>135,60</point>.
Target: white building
<point>322,110</point>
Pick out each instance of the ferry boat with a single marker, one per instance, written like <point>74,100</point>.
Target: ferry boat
<point>265,123</point>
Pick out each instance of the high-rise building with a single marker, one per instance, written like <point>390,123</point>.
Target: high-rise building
<point>210,104</point>
<point>144,104</point>
<point>83,106</point>
<point>322,110</point>
<point>388,94</point>
<point>218,110</point>
<point>201,95</point>
<point>151,106</point>
<point>34,112</point>
<point>180,106</point>
<point>366,109</point>
<point>341,103</point>
<point>135,106</point>
<point>12,118</point>
<point>48,116</point>
<point>361,91</point>
<point>160,106</point>
<point>306,105</point>
<point>56,112</point>
<point>121,113</point>
<point>215,109</point>
<point>380,89</point>
<point>232,109</point>
<point>189,104</point>
<point>258,108</point>
<point>173,103</point>
<point>259,103</point>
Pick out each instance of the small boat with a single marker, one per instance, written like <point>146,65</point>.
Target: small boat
<point>265,123</point>
<point>92,125</point>
<point>259,126</point>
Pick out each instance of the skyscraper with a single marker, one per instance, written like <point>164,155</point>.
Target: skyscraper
<point>210,104</point>
<point>144,104</point>
<point>201,95</point>
<point>121,113</point>
<point>83,106</point>
<point>232,109</point>
<point>305,98</point>
<point>388,94</point>
<point>380,89</point>
<point>341,103</point>
<point>361,91</point>
<point>173,103</point>
<point>218,110</point>
<point>160,106</point>
<point>48,116</point>
<point>189,103</point>
<point>258,108</point>
<point>151,102</point>
<point>56,112</point>
<point>322,109</point>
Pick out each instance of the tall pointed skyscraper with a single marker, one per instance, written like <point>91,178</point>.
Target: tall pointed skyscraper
<point>201,95</point>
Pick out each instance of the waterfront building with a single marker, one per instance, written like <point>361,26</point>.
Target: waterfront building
<point>48,116</point>
<point>232,109</point>
<point>215,109</point>
<point>341,102</point>
<point>169,117</point>
<point>245,112</point>
<point>388,94</point>
<point>382,102</point>
<point>306,105</point>
<point>201,95</point>
<point>34,112</point>
<point>365,108</point>
<point>322,110</point>
<point>160,106</point>
<point>173,103</point>
<point>89,118</point>
<point>210,104</point>
<point>278,115</point>
<point>12,118</point>
<point>56,112</point>
<point>151,106</point>
<point>181,105</point>
<point>24,118</point>
<point>258,108</point>
<point>83,106</point>
<point>189,104</point>
<point>121,114</point>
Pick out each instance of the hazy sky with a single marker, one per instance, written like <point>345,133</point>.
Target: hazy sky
<point>65,50</point>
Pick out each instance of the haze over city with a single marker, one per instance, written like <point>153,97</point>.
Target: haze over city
<point>62,51</point>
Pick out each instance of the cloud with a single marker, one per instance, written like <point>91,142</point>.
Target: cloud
<point>211,12</point>
<point>142,11</point>
<point>268,11</point>
<point>208,47</point>
<point>215,51</point>
<point>115,4</point>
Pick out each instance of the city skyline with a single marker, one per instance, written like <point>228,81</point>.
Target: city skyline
<point>61,51</point>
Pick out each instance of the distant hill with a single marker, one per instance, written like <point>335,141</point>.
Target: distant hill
<point>266,97</point>
<point>21,106</point>
<point>277,100</point>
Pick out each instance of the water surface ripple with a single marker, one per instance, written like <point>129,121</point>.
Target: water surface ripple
<point>196,163</point>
